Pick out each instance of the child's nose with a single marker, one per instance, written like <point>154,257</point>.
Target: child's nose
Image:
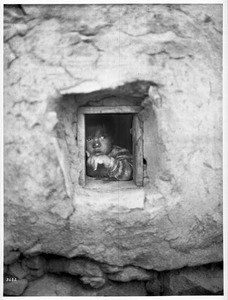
<point>96,143</point>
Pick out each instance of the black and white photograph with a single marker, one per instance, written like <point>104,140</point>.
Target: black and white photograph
<point>113,149</point>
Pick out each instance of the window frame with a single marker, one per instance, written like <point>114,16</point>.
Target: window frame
<point>137,138</point>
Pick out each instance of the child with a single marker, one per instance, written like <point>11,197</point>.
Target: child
<point>105,160</point>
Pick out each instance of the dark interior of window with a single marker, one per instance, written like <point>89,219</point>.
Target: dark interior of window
<point>121,123</point>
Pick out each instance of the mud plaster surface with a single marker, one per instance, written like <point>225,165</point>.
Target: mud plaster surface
<point>52,52</point>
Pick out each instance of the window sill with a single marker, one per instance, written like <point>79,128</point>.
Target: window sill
<point>115,196</point>
<point>109,186</point>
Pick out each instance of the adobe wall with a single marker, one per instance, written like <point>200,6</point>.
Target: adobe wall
<point>169,57</point>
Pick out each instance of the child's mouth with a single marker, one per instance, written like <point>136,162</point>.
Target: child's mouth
<point>97,152</point>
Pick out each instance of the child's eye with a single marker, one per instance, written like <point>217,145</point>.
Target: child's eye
<point>89,139</point>
<point>102,137</point>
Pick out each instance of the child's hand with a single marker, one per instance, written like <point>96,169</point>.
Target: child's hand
<point>94,161</point>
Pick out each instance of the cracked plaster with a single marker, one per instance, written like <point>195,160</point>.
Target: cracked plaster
<point>54,51</point>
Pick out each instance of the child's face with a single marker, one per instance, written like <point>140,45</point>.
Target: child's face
<point>98,142</point>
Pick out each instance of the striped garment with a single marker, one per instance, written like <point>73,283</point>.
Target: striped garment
<point>120,168</point>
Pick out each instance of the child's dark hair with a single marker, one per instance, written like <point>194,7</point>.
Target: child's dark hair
<point>100,120</point>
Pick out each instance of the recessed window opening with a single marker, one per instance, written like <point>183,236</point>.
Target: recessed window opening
<point>110,142</point>
<point>119,126</point>
<point>109,146</point>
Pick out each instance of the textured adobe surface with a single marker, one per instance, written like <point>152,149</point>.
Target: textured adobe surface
<point>54,51</point>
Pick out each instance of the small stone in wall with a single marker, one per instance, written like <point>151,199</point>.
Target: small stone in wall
<point>34,274</point>
<point>83,268</point>
<point>110,268</point>
<point>16,269</point>
<point>133,288</point>
<point>35,262</point>
<point>204,280</point>
<point>95,282</point>
<point>15,287</point>
<point>154,287</point>
<point>10,257</point>
<point>131,273</point>
<point>35,267</point>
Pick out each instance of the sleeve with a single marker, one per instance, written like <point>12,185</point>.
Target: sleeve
<point>121,164</point>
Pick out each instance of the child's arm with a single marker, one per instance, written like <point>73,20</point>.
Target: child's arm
<point>121,164</point>
<point>118,166</point>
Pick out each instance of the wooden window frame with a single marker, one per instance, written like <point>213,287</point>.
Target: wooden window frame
<point>137,138</point>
